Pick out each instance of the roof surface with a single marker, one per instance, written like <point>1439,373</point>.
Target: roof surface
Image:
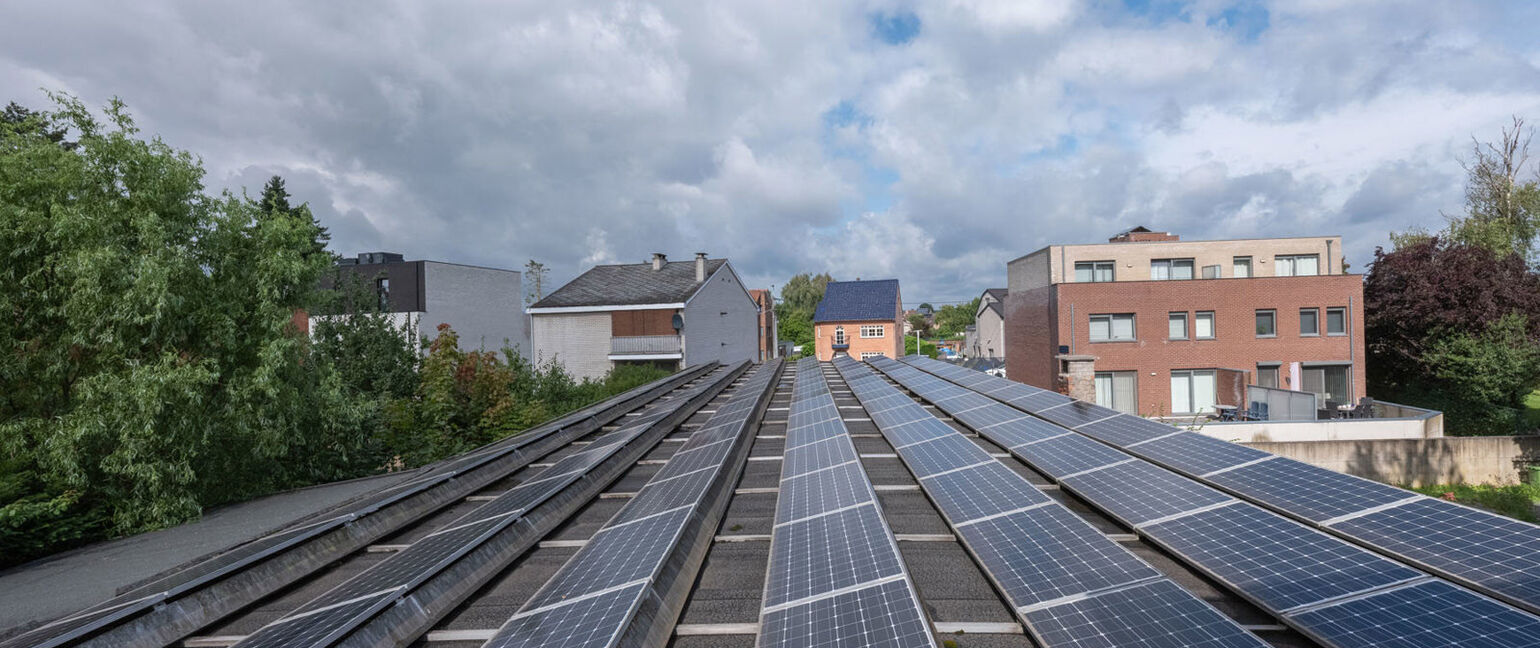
<point>997,293</point>
<point>630,284</point>
<point>997,308</point>
<point>845,301</point>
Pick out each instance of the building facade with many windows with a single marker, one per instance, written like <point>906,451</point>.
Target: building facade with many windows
<point>860,319</point>
<point>1153,325</point>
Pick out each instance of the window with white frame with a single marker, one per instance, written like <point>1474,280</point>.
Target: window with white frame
<point>1297,265</point>
<point>1112,328</point>
<point>839,335</point>
<point>1203,325</point>
<point>1241,267</point>
<point>873,331</point>
<point>1176,326</point>
<point>1115,389</point>
<point>867,355</point>
<point>1171,269</point>
<point>1192,391</point>
<point>1093,271</point>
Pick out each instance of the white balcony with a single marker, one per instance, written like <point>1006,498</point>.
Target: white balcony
<point>646,347</point>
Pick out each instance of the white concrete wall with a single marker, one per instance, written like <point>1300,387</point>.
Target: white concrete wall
<point>1328,430</point>
<point>484,305</point>
<point>709,334</point>
<point>579,341</point>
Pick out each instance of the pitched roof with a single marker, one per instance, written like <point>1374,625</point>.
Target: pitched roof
<point>630,284</point>
<point>845,301</point>
<point>997,293</point>
<point>997,308</point>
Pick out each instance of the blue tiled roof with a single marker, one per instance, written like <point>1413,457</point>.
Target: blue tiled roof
<point>845,301</point>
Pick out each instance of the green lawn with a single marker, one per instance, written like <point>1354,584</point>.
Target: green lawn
<point>1513,501</point>
<point>1532,408</point>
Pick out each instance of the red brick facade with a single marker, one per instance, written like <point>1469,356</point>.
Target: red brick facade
<point>767,330</point>
<point>1041,320</point>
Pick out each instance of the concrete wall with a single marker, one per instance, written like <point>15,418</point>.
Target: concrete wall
<point>484,305</point>
<point>721,322</point>
<point>1430,427</point>
<point>991,334</point>
<point>1420,462</point>
<point>579,341</point>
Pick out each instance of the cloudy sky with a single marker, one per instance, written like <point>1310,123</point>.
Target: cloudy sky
<point>932,142</point>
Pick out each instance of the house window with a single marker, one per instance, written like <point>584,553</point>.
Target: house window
<point>1171,269</point>
<point>1211,272</point>
<point>1177,326</point>
<point>873,331</point>
<point>1297,265</point>
<point>1327,382</point>
<point>1203,325</point>
<point>839,335</point>
<point>382,287</point>
<point>1309,321</point>
<point>1112,328</point>
<point>1267,376</point>
<point>1192,391</point>
<point>1093,271</point>
<point>867,355</point>
<point>1115,389</point>
<point>1242,267</point>
<point>1336,321</point>
<point>1267,323</point>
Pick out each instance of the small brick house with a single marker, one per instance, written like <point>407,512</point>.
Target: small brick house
<point>860,319</point>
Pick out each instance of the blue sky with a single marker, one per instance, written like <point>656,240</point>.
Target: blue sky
<point>932,142</point>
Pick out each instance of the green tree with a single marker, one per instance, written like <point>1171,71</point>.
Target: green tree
<point>152,365</point>
<point>952,319</point>
<point>275,201</point>
<point>921,325</point>
<point>794,313</point>
<point>1502,199</point>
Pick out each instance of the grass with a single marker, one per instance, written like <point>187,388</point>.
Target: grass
<point>1516,501</point>
<point>1532,409</point>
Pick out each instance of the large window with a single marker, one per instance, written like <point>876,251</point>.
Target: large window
<point>1336,321</point>
<point>1115,389</point>
<point>839,335</point>
<point>1176,326</point>
<point>1327,382</point>
<point>1297,265</point>
<point>1203,325</point>
<point>867,355</point>
<point>1309,321</point>
<point>1242,266</point>
<point>873,331</point>
<point>1171,269</point>
<point>1267,323</point>
<point>1192,391</point>
<point>1267,375</point>
<point>382,286</point>
<point>1112,328</point>
<point>1211,272</point>
<point>1093,271</point>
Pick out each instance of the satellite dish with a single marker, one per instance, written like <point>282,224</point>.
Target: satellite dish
<point>678,322</point>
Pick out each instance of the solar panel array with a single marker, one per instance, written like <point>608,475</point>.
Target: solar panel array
<point>592,599</point>
<point>1069,584</point>
<point>330,616</point>
<point>69,628</point>
<point>1298,573</point>
<point>1494,554</point>
<point>836,577</point>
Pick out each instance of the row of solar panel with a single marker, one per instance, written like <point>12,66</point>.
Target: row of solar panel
<point>343,608</point>
<point>77,625</point>
<point>1071,585</point>
<point>835,576</point>
<point>619,563</point>
<point>1489,552</point>
<point>1332,590</point>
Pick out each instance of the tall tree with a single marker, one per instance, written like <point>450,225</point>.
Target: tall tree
<point>1502,199</point>
<point>21,119</point>
<point>535,274</point>
<point>274,202</point>
<point>804,291</point>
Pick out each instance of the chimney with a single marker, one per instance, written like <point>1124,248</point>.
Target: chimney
<point>700,267</point>
<point>658,259</point>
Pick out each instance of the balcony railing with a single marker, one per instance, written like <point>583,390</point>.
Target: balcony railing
<point>645,345</point>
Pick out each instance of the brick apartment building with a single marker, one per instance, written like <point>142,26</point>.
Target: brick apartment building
<point>1153,325</point>
<point>860,319</point>
<point>768,331</point>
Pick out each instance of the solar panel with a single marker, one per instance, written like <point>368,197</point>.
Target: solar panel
<point>1275,562</point>
<point>981,491</point>
<point>1123,430</point>
<point>943,454</point>
<point>879,616</point>
<point>824,490</point>
<point>1067,455</point>
<point>1158,614</point>
<point>815,456</point>
<point>1196,454</point>
<point>616,555</point>
<point>1429,614</point>
<point>1020,431</point>
<point>1502,554</point>
<point>1048,553</point>
<point>1316,494</point>
<point>1138,492</point>
<point>592,621</point>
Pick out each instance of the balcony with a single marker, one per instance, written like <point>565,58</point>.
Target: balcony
<point>646,347</point>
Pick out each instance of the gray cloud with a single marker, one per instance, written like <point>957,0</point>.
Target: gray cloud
<point>592,131</point>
